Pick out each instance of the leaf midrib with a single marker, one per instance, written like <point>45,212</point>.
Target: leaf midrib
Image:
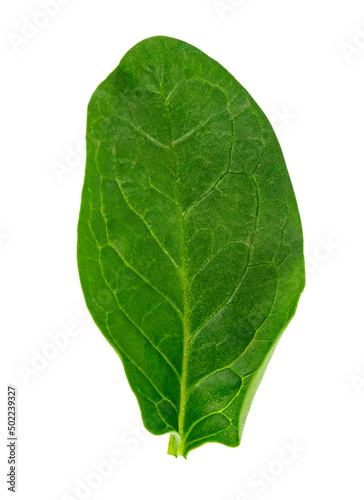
<point>184,280</point>
<point>182,270</point>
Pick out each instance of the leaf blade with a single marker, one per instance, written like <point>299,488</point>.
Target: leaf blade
<point>190,243</point>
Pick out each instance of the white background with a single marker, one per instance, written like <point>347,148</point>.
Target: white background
<point>303,63</point>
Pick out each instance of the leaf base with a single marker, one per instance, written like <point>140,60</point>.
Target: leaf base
<point>174,445</point>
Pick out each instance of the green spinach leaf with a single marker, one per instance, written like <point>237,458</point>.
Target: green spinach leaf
<point>189,239</point>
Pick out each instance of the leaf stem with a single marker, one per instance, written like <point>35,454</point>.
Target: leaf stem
<point>174,445</point>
